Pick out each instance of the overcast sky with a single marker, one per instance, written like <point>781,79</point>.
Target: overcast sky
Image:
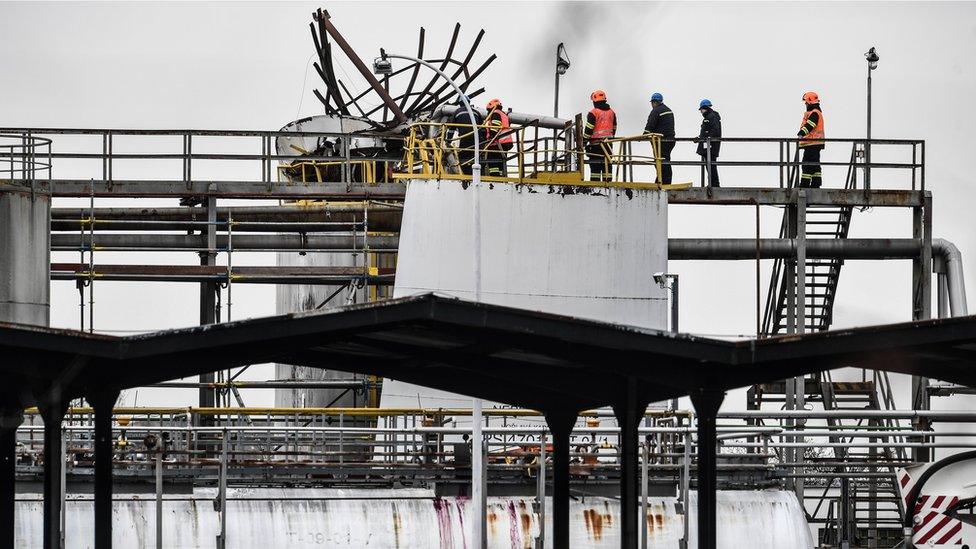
<point>246,65</point>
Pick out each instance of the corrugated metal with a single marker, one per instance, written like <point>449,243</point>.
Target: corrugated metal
<point>409,519</point>
<point>587,252</point>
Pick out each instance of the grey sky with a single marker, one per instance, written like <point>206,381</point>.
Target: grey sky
<point>242,66</point>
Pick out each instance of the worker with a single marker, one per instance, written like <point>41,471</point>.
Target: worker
<point>661,121</point>
<point>499,140</point>
<point>711,128</point>
<point>601,125</point>
<point>811,136</point>
<point>462,125</point>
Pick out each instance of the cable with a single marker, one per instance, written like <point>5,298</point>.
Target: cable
<point>301,99</point>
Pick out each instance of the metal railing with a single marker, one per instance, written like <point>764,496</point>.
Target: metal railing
<point>536,153</point>
<point>24,158</point>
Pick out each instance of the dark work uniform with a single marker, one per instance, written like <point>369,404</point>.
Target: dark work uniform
<point>811,131</point>
<point>596,131</point>
<point>711,127</point>
<point>466,141</point>
<point>661,120</point>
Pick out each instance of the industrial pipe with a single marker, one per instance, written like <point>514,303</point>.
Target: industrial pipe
<point>841,248</point>
<point>242,242</point>
<point>550,122</point>
<point>784,248</point>
<point>956,282</point>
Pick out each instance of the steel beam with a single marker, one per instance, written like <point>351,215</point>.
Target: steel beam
<point>84,188</point>
<point>628,412</point>
<point>209,290</point>
<point>103,403</point>
<point>782,197</point>
<point>561,425</point>
<point>242,242</point>
<point>922,307</point>
<point>324,19</point>
<point>53,414</point>
<point>201,273</point>
<point>395,191</point>
<point>11,417</point>
<point>707,402</point>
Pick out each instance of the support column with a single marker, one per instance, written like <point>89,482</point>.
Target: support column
<point>628,413</point>
<point>10,418</point>
<point>208,294</point>
<point>103,402</point>
<point>922,307</point>
<point>798,396</point>
<point>707,402</point>
<point>53,413</point>
<point>561,425</point>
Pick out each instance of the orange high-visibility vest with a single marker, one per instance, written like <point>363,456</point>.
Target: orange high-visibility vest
<point>603,126</point>
<point>816,135</point>
<point>505,139</point>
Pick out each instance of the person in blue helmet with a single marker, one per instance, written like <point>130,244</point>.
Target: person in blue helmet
<point>462,125</point>
<point>711,128</point>
<point>661,120</point>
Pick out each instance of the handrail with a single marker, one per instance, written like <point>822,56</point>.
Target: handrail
<point>533,154</point>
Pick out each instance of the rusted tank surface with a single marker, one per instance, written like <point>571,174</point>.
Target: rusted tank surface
<point>300,518</point>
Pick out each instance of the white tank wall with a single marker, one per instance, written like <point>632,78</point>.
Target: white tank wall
<point>292,298</point>
<point>25,258</point>
<point>586,252</point>
<point>410,519</point>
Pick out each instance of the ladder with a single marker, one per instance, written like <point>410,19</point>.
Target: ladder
<point>872,505</point>
<point>820,276</point>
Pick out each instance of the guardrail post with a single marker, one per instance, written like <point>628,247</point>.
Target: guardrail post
<point>540,493</point>
<point>159,497</point>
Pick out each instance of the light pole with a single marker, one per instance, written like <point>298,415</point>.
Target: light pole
<point>669,281</point>
<point>872,59</point>
<point>382,65</point>
<point>562,65</point>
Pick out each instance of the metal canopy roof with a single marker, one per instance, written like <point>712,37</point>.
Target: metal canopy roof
<point>523,358</point>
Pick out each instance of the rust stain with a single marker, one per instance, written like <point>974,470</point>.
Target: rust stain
<point>492,520</point>
<point>594,523</point>
<point>397,525</point>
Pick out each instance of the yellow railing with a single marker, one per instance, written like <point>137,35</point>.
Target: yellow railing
<point>435,151</point>
<point>370,171</point>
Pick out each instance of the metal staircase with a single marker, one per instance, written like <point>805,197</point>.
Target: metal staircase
<point>821,276</point>
<point>869,507</point>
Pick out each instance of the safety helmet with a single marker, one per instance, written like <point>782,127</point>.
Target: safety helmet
<point>598,95</point>
<point>811,98</point>
<point>494,104</point>
<point>704,103</point>
<point>657,97</point>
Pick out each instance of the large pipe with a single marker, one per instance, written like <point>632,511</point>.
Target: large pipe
<point>783,248</point>
<point>845,248</point>
<point>952,263</point>
<point>550,122</point>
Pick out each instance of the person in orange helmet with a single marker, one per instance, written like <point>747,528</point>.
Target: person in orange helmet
<point>499,141</point>
<point>811,136</point>
<point>601,125</point>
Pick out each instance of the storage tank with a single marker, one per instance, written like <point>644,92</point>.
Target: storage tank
<point>304,297</point>
<point>414,519</point>
<point>25,221</point>
<point>582,251</point>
